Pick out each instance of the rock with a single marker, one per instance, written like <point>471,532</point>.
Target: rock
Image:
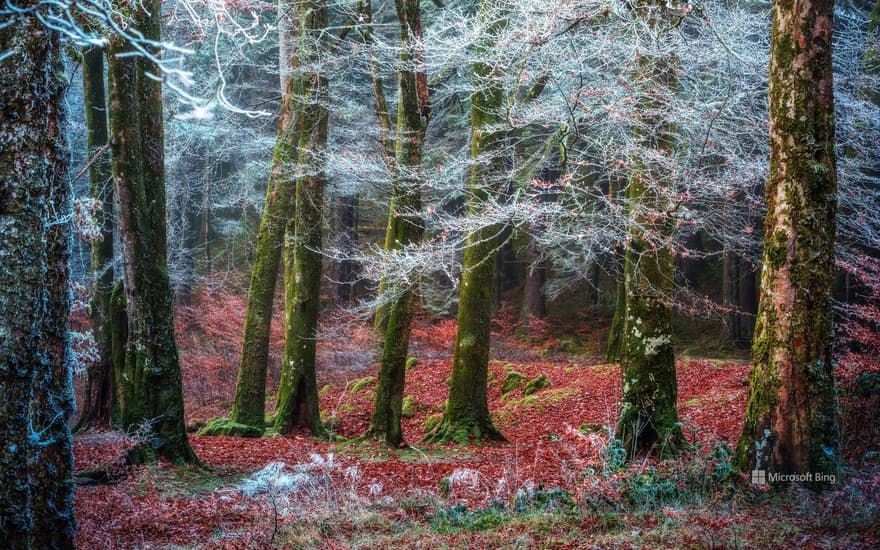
<point>536,385</point>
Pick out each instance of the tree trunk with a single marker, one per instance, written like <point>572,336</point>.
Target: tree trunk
<point>36,463</point>
<point>346,241</point>
<point>249,406</point>
<point>648,409</point>
<point>405,219</point>
<point>297,402</point>
<point>118,317</point>
<point>730,297</point>
<point>151,364</point>
<point>100,390</point>
<point>534,301</point>
<point>791,417</point>
<point>467,409</point>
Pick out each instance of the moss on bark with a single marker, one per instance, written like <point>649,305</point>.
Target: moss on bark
<point>405,227</point>
<point>648,421</point>
<point>467,410</point>
<point>297,402</point>
<point>100,392</point>
<point>36,488</point>
<point>791,415</point>
<point>249,403</point>
<point>151,362</point>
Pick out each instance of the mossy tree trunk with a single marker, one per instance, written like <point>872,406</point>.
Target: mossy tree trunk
<point>118,316</point>
<point>100,389</point>
<point>151,363</point>
<point>36,462</point>
<point>249,405</point>
<point>467,410</point>
<point>297,402</point>
<point>389,154</point>
<point>791,425</point>
<point>404,220</point>
<point>648,419</point>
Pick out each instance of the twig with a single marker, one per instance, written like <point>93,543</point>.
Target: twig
<point>90,163</point>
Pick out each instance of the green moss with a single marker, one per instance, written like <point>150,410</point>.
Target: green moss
<point>408,409</point>
<point>325,389</point>
<point>412,363</point>
<point>432,422</point>
<point>362,383</point>
<point>512,381</point>
<point>589,428</point>
<point>224,426</point>
<point>536,384</point>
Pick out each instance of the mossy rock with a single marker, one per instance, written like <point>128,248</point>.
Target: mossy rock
<point>432,422</point>
<point>568,344</point>
<point>409,407</point>
<point>358,385</point>
<point>536,385</point>
<point>224,426</point>
<point>513,381</point>
<point>412,363</point>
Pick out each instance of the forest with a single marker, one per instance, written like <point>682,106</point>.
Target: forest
<point>444,274</point>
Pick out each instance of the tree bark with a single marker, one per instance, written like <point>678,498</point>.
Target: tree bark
<point>36,462</point>
<point>791,417</point>
<point>648,419</point>
<point>297,402</point>
<point>152,370</point>
<point>100,390</point>
<point>467,410</point>
<point>405,221</point>
<point>249,405</point>
<point>346,240</point>
<point>534,300</point>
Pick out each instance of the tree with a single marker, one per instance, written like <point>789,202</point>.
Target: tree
<point>791,416</point>
<point>100,386</point>
<point>648,410</point>
<point>297,400</point>
<point>467,410</point>
<point>249,405</point>
<point>36,462</point>
<point>150,387</point>
<point>405,225</point>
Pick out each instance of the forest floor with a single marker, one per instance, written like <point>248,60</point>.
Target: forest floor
<point>557,483</point>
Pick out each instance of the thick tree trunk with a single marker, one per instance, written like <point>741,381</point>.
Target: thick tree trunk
<point>648,408</point>
<point>467,410</point>
<point>791,417</point>
<point>100,390</point>
<point>51,468</point>
<point>151,364</point>
<point>36,463</point>
<point>405,219</point>
<point>297,402</point>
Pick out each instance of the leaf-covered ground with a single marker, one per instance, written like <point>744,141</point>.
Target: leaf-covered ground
<point>557,483</point>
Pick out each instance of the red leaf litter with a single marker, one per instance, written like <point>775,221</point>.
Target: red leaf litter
<point>156,506</point>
